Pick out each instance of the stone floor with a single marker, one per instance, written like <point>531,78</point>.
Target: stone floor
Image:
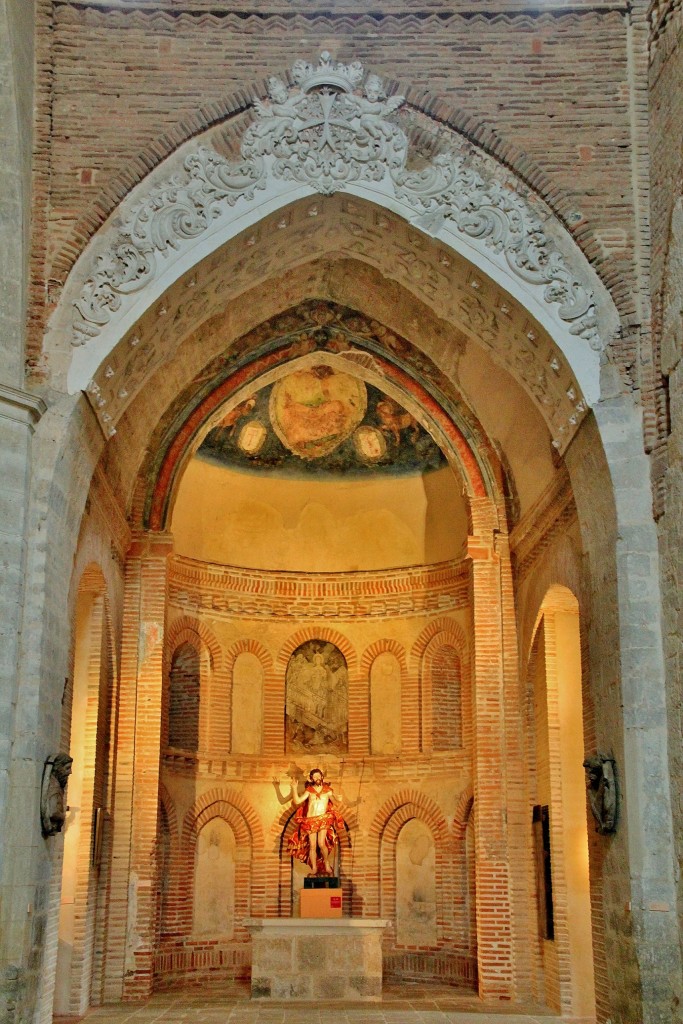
<point>405,1003</point>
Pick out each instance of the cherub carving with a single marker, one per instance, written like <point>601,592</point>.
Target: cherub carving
<point>374,105</point>
<point>277,114</point>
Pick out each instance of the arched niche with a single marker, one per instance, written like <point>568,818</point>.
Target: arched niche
<point>214,881</point>
<point>317,699</point>
<point>184,697</point>
<point>385,704</point>
<point>416,909</point>
<point>247,704</point>
<point>540,263</point>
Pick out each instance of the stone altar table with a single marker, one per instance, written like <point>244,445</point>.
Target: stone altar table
<point>316,959</point>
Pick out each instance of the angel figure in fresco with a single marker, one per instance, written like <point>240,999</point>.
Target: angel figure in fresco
<point>393,419</point>
<point>317,824</point>
<point>231,419</point>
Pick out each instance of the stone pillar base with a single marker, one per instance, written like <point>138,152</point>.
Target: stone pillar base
<point>312,959</point>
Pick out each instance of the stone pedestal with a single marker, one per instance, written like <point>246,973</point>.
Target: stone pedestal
<point>313,960</point>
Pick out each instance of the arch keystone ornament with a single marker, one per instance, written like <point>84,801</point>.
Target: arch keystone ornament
<point>334,129</point>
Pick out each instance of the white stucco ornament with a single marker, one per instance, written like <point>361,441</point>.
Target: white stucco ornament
<point>321,133</point>
<point>331,129</point>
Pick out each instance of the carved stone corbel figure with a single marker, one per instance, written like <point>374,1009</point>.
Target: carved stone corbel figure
<point>602,792</point>
<point>56,772</point>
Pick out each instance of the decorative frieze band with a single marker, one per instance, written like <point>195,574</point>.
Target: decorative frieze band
<point>237,769</point>
<point>229,591</point>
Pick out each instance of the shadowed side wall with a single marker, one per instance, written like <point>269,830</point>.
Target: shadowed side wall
<point>666,116</point>
<point>626,672</point>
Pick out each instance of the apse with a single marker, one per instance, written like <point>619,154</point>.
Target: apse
<point>319,472</point>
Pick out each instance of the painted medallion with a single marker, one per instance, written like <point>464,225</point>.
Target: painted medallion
<point>312,411</point>
<point>321,422</point>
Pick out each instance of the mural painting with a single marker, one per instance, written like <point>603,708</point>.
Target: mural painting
<point>317,699</point>
<point>321,421</point>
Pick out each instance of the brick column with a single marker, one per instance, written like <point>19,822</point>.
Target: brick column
<point>132,918</point>
<point>494,916</point>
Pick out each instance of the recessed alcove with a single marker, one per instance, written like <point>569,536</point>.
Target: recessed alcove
<point>320,472</point>
<point>319,530</point>
<point>330,518</point>
<point>336,431</point>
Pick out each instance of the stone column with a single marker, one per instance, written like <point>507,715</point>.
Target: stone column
<point>628,683</point>
<point>494,913</point>
<point>132,916</point>
<point>19,412</point>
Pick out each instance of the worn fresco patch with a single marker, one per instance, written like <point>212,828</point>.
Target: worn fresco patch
<point>319,421</point>
<point>317,701</point>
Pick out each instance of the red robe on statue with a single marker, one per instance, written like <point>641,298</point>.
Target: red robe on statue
<point>299,843</point>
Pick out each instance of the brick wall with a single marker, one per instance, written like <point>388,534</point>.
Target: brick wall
<point>183,699</point>
<point>382,793</point>
<point>548,92</point>
<point>553,86</point>
<point>447,699</point>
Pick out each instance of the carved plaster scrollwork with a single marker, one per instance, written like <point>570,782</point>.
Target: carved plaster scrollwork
<point>322,134</point>
<point>173,212</point>
<point>386,241</point>
<point>326,131</point>
<point>450,189</point>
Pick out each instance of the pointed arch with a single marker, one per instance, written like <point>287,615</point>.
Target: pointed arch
<point>629,495</point>
<point>535,260</point>
<point>231,109</point>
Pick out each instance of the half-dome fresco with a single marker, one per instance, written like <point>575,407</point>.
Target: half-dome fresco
<point>321,421</point>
